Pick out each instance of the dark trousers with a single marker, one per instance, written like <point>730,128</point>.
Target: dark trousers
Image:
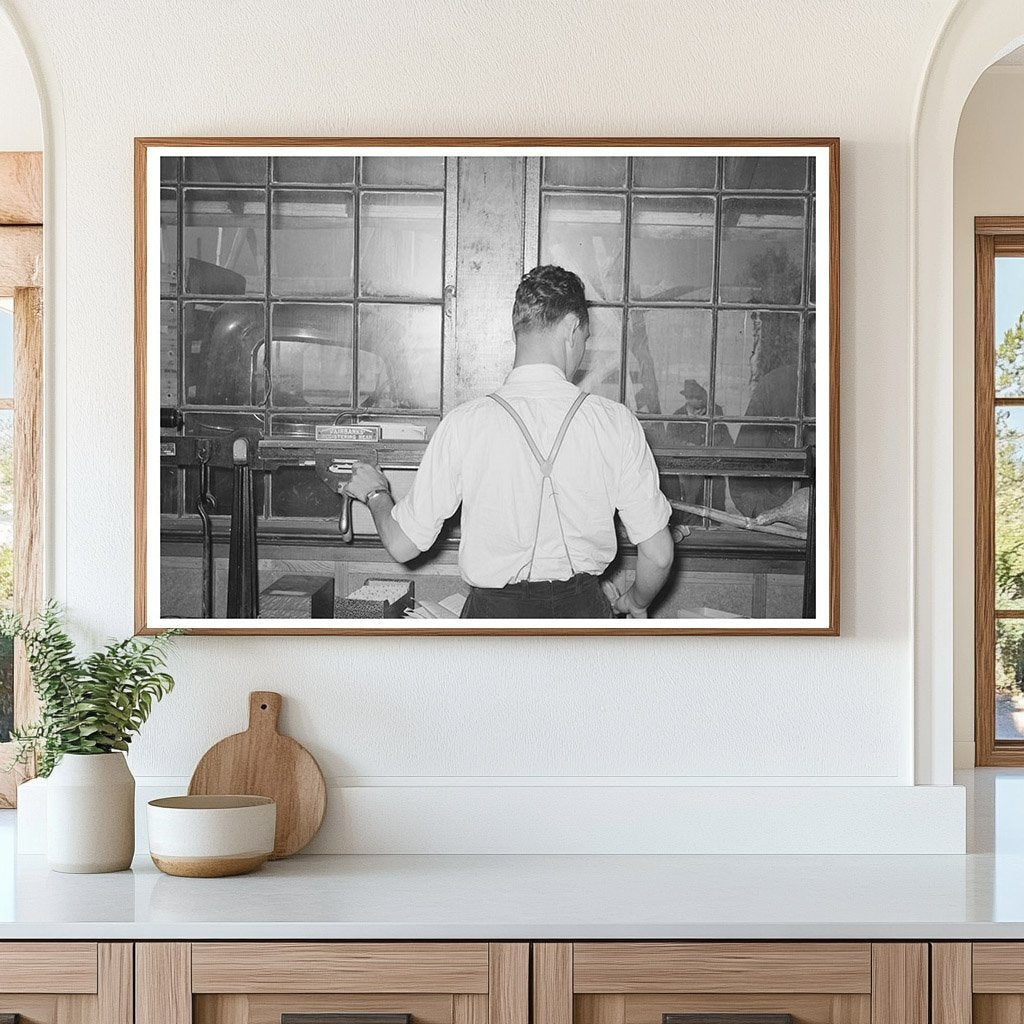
<point>578,598</point>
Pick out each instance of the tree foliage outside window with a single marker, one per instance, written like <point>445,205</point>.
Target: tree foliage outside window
<point>1009,511</point>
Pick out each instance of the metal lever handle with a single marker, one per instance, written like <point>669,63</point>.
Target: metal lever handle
<point>347,536</point>
<point>726,1018</point>
<point>346,1018</point>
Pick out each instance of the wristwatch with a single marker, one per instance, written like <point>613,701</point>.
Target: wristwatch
<point>376,491</point>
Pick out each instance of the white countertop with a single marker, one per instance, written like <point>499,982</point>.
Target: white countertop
<point>977,896</point>
<point>516,897</point>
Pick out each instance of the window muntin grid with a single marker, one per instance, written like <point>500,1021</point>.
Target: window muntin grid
<point>323,345</point>
<point>691,220</point>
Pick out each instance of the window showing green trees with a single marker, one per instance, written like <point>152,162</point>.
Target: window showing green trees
<point>1009,497</point>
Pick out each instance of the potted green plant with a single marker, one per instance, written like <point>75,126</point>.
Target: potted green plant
<point>90,708</point>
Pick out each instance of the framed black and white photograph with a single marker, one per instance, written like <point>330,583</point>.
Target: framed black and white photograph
<point>487,386</point>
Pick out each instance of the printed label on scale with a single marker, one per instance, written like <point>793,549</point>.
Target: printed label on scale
<point>347,432</point>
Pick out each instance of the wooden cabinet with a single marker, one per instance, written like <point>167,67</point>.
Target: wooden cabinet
<point>66,982</point>
<point>494,983</point>
<point>652,982</point>
<point>978,983</point>
<point>306,982</point>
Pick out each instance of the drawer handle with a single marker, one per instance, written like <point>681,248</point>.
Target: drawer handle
<point>339,1018</point>
<point>727,1018</point>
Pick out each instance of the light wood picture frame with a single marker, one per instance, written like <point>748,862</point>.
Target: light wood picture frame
<point>705,262</point>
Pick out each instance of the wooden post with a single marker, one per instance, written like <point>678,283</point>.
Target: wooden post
<point>552,983</point>
<point>899,983</point>
<point>163,983</point>
<point>951,983</point>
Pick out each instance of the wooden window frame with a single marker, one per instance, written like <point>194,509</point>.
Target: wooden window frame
<point>993,236</point>
<point>21,278</point>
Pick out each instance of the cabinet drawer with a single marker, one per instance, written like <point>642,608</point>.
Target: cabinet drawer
<point>730,983</point>
<point>980,982</point>
<point>634,967</point>
<point>332,983</point>
<point>66,982</point>
<point>64,967</point>
<point>340,967</point>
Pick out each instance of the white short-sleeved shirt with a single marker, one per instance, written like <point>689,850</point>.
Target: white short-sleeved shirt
<point>479,458</point>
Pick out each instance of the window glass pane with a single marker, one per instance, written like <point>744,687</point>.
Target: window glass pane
<point>223,357</point>
<point>311,354</point>
<point>669,353</point>
<point>168,241</point>
<point>762,250</point>
<point>314,170</point>
<point>587,171</point>
<point>1009,510</point>
<point>298,491</point>
<point>169,168</point>
<point>169,353</point>
<point>809,367</point>
<point>6,567</point>
<point>765,172</point>
<point>657,433</point>
<point>168,490</point>
<point>227,426</point>
<point>411,171</point>
<point>1009,707</point>
<point>6,353</point>
<point>586,234</point>
<point>674,171</point>
<point>672,249</point>
<point>756,363</point>
<point>312,238</point>
<point>243,170</point>
<point>1009,326</point>
<point>750,496</point>
<point>401,244</point>
<point>600,372</point>
<point>399,356</point>
<point>224,241</point>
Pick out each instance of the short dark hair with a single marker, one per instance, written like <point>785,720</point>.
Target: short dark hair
<point>545,295</point>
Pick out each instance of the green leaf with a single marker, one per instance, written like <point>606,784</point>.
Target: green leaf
<point>90,705</point>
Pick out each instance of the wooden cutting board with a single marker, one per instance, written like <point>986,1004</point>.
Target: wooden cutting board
<point>262,762</point>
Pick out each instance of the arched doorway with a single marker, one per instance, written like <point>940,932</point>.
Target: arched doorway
<point>976,34</point>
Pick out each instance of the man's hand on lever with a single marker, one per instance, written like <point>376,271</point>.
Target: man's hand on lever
<point>370,486</point>
<point>366,479</point>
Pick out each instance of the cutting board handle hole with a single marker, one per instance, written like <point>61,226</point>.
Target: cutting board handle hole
<point>263,707</point>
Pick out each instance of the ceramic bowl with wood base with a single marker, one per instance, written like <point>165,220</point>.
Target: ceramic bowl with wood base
<point>211,836</point>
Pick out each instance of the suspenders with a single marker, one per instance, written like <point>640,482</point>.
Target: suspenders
<point>546,466</point>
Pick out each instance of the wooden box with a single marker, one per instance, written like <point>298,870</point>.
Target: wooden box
<point>362,607</point>
<point>295,596</point>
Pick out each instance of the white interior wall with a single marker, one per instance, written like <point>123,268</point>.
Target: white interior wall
<point>987,182</point>
<point>430,715</point>
<point>21,126</point>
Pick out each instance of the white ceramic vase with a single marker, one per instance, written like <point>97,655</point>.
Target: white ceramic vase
<point>90,814</point>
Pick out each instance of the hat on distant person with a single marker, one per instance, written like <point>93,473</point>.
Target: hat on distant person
<point>692,390</point>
